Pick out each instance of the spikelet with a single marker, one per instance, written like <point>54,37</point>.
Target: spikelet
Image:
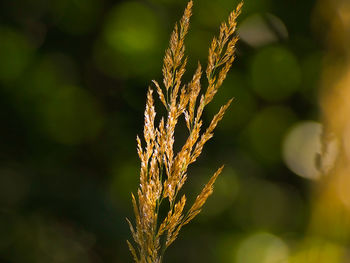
<point>163,172</point>
<point>202,197</point>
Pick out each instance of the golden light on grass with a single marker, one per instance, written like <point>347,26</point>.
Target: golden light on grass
<point>164,172</point>
<point>328,234</point>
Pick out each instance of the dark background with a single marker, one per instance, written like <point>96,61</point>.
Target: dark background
<point>73,80</point>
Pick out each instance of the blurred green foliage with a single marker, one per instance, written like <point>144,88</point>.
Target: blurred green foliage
<point>16,53</point>
<point>275,73</point>
<point>73,79</point>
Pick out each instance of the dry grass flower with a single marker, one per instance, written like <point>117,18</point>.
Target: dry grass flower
<point>164,172</point>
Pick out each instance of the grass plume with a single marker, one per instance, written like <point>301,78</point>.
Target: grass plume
<point>163,172</point>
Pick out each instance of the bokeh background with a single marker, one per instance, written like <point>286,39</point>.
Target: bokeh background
<point>73,80</point>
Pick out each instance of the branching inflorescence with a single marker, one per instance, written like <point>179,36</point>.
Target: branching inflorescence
<point>164,172</point>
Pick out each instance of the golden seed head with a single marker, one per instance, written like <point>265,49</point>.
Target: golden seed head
<point>163,172</point>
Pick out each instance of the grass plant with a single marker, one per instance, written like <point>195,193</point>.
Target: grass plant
<point>164,172</point>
